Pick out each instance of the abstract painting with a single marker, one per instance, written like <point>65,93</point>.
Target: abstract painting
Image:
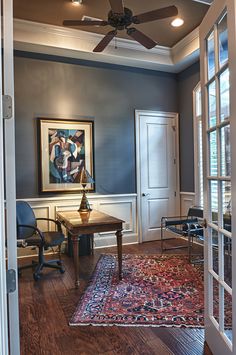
<point>66,146</point>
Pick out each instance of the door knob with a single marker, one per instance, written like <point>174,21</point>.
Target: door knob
<point>145,194</point>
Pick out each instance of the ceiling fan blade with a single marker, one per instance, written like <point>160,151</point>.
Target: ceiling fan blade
<point>117,6</point>
<point>156,14</point>
<point>105,41</point>
<point>84,23</point>
<point>141,38</point>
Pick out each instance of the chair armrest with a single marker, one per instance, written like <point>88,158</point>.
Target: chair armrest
<point>172,217</point>
<point>177,220</point>
<point>51,220</point>
<point>32,227</point>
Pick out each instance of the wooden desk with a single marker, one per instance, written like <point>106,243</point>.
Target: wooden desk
<point>79,223</point>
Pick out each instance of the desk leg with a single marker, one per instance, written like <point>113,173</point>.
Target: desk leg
<point>119,250</point>
<point>76,259</point>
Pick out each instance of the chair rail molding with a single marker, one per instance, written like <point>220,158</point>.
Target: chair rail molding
<point>68,42</point>
<point>187,200</point>
<point>122,206</point>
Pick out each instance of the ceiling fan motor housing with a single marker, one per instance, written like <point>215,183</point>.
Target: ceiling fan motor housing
<point>120,21</point>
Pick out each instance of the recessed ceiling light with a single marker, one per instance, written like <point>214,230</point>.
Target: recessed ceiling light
<point>177,22</point>
<point>77,2</point>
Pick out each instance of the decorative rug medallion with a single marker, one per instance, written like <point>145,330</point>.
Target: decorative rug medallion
<point>158,291</point>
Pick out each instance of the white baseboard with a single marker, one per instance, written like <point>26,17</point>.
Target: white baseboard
<point>110,241</point>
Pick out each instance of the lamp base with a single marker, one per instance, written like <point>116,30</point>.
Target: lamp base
<point>84,204</point>
<point>84,209</point>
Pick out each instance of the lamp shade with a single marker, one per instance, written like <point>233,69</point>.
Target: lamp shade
<point>85,177</point>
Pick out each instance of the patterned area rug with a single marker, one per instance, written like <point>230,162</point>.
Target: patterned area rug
<point>155,291</point>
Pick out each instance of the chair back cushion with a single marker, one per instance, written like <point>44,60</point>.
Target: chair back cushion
<point>24,215</point>
<point>195,212</point>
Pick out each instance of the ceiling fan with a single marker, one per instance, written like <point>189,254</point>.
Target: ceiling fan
<point>121,18</point>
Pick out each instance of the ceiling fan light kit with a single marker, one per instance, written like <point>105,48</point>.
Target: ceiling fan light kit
<point>77,2</point>
<point>120,18</point>
<point>177,22</point>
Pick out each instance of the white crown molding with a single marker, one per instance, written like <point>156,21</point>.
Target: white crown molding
<point>186,50</point>
<point>55,40</point>
<point>206,2</point>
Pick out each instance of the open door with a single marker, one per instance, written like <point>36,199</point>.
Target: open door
<point>218,81</point>
<point>9,314</point>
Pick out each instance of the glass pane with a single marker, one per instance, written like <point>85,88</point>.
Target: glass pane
<point>215,300</point>
<point>228,315</point>
<point>225,151</point>
<point>227,260</point>
<point>215,251</point>
<point>226,198</point>
<point>223,40</point>
<point>214,201</point>
<point>200,163</point>
<point>213,153</point>
<point>198,102</point>
<point>224,95</point>
<point>211,55</point>
<point>212,104</point>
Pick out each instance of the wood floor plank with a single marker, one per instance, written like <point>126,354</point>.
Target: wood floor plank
<point>47,306</point>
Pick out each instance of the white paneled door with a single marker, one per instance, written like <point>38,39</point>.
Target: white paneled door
<point>9,315</point>
<point>157,170</point>
<point>218,81</point>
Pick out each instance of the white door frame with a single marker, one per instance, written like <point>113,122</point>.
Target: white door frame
<point>3,291</point>
<point>138,114</point>
<point>8,224</point>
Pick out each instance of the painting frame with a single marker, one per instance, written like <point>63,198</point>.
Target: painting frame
<point>65,147</point>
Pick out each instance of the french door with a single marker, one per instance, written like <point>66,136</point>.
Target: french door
<point>9,315</point>
<point>218,80</point>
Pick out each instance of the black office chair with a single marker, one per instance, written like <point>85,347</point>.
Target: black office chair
<point>189,226</point>
<point>28,234</point>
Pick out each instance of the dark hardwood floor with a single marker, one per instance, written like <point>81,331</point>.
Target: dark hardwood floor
<point>47,305</point>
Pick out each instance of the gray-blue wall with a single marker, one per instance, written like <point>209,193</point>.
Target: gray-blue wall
<point>64,88</point>
<point>187,81</point>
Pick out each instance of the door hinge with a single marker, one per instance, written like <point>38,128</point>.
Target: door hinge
<point>174,161</point>
<point>7,106</point>
<point>11,280</point>
<point>175,194</point>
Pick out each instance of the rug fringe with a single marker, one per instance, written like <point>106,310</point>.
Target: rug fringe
<point>138,325</point>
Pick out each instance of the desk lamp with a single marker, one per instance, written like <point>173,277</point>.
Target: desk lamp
<point>85,178</point>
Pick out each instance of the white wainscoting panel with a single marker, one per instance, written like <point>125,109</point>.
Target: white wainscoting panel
<point>123,209</point>
<point>43,212</point>
<point>187,200</point>
<point>121,206</point>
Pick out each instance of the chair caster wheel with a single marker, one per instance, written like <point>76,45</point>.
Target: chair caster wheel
<point>62,270</point>
<point>36,277</point>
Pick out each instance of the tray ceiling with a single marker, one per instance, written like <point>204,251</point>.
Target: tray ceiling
<point>55,11</point>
